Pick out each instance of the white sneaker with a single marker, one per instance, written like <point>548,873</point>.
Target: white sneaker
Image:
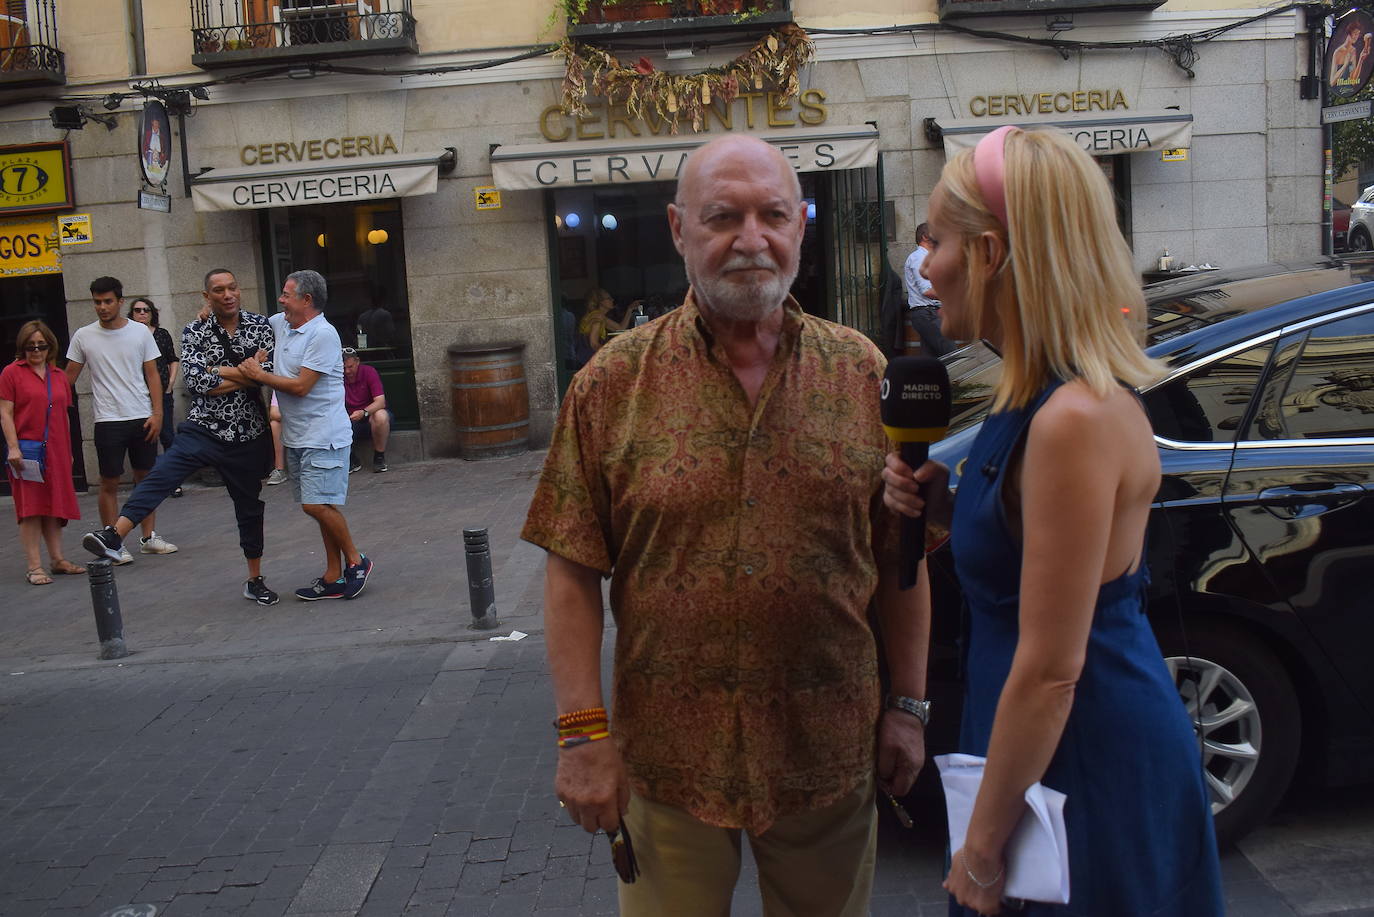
<point>156,544</point>
<point>124,557</point>
<point>278,476</point>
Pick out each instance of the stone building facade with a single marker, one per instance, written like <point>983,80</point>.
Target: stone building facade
<point>1222,167</point>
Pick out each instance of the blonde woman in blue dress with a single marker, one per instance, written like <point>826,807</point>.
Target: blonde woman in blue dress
<point>1065,682</point>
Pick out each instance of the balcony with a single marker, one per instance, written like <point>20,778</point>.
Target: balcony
<point>226,33</point>
<point>676,23</point>
<point>28,45</point>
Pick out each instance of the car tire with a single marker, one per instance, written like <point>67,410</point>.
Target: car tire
<point>1250,723</point>
<point>1358,240</point>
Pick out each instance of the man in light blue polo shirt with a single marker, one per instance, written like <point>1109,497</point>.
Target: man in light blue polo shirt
<point>308,379</point>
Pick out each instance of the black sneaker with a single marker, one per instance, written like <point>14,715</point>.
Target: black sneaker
<point>255,590</point>
<point>321,590</point>
<point>355,577</point>
<point>104,543</point>
<point>379,463</point>
<point>353,463</point>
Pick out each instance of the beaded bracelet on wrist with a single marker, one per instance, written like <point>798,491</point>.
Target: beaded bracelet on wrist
<point>580,717</point>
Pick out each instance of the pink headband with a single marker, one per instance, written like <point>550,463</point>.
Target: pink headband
<point>988,169</point>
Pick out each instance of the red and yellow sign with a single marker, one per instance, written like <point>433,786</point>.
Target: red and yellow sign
<point>35,178</point>
<point>29,247</point>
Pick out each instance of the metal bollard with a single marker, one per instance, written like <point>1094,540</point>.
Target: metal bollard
<point>481,591</point>
<point>109,624</point>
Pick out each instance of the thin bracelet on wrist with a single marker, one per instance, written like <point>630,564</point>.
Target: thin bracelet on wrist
<point>975,880</point>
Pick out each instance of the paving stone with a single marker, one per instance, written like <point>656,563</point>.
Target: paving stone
<point>372,758</point>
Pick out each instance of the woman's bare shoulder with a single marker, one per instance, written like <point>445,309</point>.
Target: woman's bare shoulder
<point>1075,415</point>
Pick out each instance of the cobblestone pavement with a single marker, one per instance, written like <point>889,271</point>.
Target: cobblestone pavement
<point>372,757</point>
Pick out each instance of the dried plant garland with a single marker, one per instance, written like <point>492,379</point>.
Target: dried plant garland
<point>776,60</point>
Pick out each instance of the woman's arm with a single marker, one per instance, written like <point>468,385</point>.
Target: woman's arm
<point>922,492</point>
<point>12,453</point>
<point>1070,476</point>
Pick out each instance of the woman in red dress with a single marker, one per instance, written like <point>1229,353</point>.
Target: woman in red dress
<point>25,412</point>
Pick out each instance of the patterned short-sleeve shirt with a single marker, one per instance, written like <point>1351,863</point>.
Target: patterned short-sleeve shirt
<point>743,545</point>
<point>232,417</point>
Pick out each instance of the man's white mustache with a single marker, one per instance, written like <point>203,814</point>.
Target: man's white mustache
<point>743,263</point>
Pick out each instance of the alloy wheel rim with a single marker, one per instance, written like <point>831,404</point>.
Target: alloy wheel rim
<point>1226,721</point>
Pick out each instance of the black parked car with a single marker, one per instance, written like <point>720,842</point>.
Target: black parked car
<point>1261,544</point>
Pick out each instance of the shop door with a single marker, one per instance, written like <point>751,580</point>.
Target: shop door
<point>854,231</point>
<point>360,250</point>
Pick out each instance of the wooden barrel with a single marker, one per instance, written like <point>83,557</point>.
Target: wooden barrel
<point>491,403</point>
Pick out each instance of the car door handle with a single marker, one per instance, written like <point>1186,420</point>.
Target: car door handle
<point>1330,494</point>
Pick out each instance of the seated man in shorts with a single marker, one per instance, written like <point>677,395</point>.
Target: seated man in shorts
<point>366,405</point>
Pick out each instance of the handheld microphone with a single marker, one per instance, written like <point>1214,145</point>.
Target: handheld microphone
<point>914,402</point>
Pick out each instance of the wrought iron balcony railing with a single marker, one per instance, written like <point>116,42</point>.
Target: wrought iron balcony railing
<point>678,22</point>
<point>28,44</point>
<point>228,32</point>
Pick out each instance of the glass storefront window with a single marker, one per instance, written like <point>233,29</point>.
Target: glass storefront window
<point>615,264</point>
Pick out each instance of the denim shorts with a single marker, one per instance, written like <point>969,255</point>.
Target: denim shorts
<point>318,475</point>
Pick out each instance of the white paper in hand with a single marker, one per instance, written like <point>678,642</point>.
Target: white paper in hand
<point>1038,850</point>
<point>32,471</point>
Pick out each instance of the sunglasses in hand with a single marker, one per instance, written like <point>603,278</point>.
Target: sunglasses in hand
<point>623,854</point>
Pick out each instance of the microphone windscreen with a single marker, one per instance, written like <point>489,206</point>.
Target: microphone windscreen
<point>915,400</point>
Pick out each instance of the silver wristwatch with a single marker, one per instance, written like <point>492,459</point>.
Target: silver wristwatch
<point>917,708</point>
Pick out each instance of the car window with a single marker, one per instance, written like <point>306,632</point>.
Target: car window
<point>1330,392</point>
<point>973,373</point>
<point>1207,404</point>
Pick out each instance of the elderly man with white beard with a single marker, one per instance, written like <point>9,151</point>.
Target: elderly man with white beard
<point>721,465</point>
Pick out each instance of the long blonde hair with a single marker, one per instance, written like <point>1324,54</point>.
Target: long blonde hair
<point>1062,298</point>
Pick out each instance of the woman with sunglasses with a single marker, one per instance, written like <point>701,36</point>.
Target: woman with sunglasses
<point>168,366</point>
<point>34,397</point>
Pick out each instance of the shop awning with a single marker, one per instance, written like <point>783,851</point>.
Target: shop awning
<point>1168,130</point>
<point>633,159</point>
<point>326,181</point>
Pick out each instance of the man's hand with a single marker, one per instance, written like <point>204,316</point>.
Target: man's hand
<point>901,751</point>
<point>355,416</point>
<point>592,785</point>
<point>252,368</point>
<point>204,312</point>
<point>261,356</point>
<point>152,427</point>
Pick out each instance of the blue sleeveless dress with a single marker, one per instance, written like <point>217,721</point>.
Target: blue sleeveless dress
<point>1139,825</point>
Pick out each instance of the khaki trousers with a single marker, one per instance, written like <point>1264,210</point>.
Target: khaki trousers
<point>814,864</point>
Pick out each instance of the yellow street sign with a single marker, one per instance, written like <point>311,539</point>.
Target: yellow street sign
<point>1179,155</point>
<point>29,247</point>
<point>488,198</point>
<point>35,178</point>
<point>75,229</point>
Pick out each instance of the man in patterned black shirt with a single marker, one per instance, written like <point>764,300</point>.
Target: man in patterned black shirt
<point>225,429</point>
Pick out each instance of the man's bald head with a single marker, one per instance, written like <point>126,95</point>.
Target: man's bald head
<point>725,151</point>
<point>738,222</point>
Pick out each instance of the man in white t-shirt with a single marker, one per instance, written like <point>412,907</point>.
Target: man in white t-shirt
<point>922,304</point>
<point>127,395</point>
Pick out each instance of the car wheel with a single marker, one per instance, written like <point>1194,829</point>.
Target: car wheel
<point>1245,712</point>
<point>1359,239</point>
